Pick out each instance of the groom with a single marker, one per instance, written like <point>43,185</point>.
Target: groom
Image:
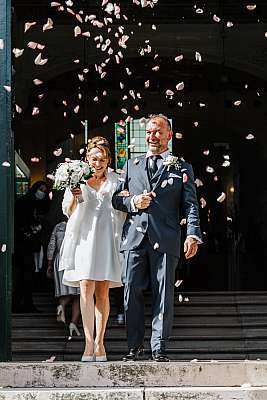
<point>161,190</point>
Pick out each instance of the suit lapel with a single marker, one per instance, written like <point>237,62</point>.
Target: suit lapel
<point>158,176</point>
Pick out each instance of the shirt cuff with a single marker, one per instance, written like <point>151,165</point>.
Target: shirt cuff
<point>133,208</point>
<point>199,241</point>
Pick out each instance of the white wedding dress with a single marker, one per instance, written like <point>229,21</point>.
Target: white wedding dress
<point>90,249</point>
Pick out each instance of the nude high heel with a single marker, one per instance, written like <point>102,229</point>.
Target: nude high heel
<point>73,328</point>
<point>61,314</point>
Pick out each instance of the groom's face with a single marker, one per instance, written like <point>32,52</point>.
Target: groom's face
<point>158,135</point>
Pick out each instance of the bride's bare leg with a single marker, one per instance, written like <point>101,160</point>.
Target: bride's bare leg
<point>87,289</point>
<point>101,314</point>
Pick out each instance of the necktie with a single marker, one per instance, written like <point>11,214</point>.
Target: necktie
<point>152,166</point>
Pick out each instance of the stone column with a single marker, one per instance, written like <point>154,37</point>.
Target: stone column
<point>6,181</point>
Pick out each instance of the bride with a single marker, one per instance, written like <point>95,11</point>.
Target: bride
<point>90,251</point>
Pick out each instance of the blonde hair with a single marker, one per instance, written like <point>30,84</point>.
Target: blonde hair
<point>100,143</point>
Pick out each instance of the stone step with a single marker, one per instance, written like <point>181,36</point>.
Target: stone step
<point>132,374</point>
<point>148,393</point>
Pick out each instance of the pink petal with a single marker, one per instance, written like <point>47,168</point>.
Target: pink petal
<point>28,25</point>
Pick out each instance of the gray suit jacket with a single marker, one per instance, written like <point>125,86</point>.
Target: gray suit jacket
<point>161,220</point>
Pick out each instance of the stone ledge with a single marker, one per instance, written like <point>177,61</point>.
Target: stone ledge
<point>198,393</point>
<point>138,374</point>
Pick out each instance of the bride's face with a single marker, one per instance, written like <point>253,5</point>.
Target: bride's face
<point>98,160</point>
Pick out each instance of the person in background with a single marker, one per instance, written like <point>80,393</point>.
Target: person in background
<point>90,250</point>
<point>27,241</point>
<point>65,294</point>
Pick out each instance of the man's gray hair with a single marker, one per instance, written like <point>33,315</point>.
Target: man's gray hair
<point>161,116</point>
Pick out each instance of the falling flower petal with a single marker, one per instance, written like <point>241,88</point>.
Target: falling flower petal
<point>198,56</point>
<point>35,111</point>
<point>250,136</point>
<point>105,118</point>
<point>3,248</point>
<point>199,11</point>
<point>164,183</point>
<point>28,25</point>
<point>77,31</point>
<point>35,159</point>
<point>185,178</point>
<point>178,135</point>
<point>221,198</point>
<point>180,298</point>
<point>179,58</point>
<point>206,152</point>
<point>229,24</point>
<point>180,86</point>
<point>18,109</point>
<point>203,202</point>
<point>170,181</point>
<point>209,169</point>
<point>169,92</point>
<point>226,163</point>
<point>251,7</point>
<point>37,82</point>
<point>156,246</point>
<point>76,109</point>
<point>156,68</point>
<point>198,182</point>
<point>237,102</point>
<point>215,18</point>
<point>50,176</point>
<point>57,152</point>
<point>5,164</point>
<point>48,25</point>
<point>196,124</point>
<point>39,61</point>
<point>178,283</point>
<point>7,88</point>
<point>2,44</point>
<point>18,52</point>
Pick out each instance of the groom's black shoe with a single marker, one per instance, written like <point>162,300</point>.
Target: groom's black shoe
<point>134,354</point>
<point>160,356</point>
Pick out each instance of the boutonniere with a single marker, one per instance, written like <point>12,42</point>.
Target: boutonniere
<point>172,161</point>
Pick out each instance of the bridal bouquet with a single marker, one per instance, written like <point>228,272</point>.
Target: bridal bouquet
<point>72,174</point>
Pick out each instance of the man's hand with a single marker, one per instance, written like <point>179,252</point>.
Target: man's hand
<point>143,200</point>
<point>190,247</point>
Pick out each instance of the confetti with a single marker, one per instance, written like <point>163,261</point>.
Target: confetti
<point>35,111</point>
<point>18,109</point>
<point>203,202</point>
<point>5,164</point>
<point>250,136</point>
<point>156,246</point>
<point>178,135</point>
<point>105,118</point>
<point>3,248</point>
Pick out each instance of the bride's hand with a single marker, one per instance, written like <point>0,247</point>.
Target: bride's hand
<point>124,193</point>
<point>76,192</point>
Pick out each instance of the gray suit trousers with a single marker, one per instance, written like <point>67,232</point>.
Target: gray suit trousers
<point>142,266</point>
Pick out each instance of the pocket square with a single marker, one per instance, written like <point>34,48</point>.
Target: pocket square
<point>173,175</point>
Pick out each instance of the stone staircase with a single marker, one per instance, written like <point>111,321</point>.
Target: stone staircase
<point>239,380</point>
<point>210,326</point>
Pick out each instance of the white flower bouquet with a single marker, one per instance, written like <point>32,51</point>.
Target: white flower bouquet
<point>72,174</point>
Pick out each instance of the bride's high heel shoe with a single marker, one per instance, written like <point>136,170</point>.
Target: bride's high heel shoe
<point>73,328</point>
<point>89,358</point>
<point>61,314</point>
